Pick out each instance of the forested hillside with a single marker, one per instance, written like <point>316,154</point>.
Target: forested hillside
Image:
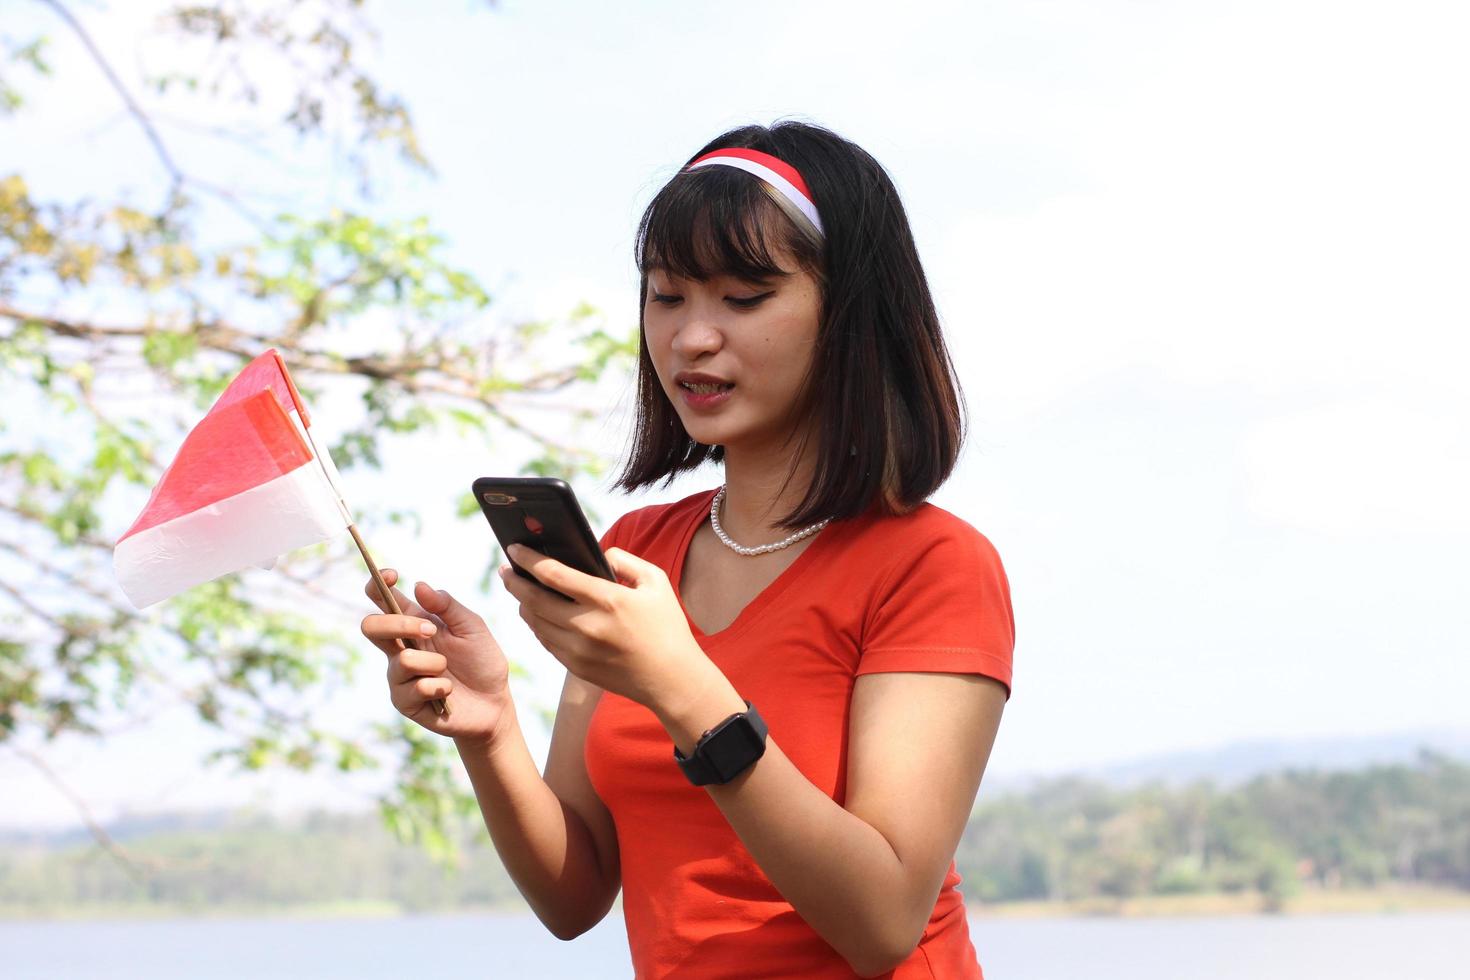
<point>1073,839</point>
<point>1067,839</point>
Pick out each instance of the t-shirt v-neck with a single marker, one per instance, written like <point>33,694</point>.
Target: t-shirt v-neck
<point>763,600</point>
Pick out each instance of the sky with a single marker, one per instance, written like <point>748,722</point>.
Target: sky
<point>1202,270</point>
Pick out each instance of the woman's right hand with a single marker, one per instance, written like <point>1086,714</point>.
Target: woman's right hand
<point>458,660</point>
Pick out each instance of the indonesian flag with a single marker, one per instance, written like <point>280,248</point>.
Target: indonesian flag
<point>245,488</point>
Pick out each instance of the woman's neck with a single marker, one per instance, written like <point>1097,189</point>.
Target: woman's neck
<point>755,499</point>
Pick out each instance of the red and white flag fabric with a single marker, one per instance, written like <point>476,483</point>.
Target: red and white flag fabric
<point>245,488</point>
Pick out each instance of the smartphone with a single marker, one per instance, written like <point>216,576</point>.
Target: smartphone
<point>541,513</point>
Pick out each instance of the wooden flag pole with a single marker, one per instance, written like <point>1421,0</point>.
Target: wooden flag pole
<point>439,704</point>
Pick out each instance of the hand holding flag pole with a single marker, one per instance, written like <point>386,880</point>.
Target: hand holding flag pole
<point>241,492</point>
<point>440,705</point>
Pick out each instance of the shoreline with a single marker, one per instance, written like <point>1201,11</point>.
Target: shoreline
<point>1392,900</point>
<point>1308,902</point>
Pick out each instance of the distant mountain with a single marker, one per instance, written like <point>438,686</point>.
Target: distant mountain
<point>1238,762</point>
<point>130,827</point>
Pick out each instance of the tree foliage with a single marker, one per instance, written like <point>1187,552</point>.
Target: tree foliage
<point>124,312</point>
<point>1073,839</point>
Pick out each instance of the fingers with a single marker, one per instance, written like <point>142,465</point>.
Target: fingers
<point>539,605</point>
<point>412,696</point>
<point>551,573</point>
<point>415,677</point>
<point>390,576</point>
<point>629,568</point>
<point>558,641</point>
<point>405,665</point>
<point>527,593</point>
<point>389,630</point>
<point>391,626</point>
<point>455,616</point>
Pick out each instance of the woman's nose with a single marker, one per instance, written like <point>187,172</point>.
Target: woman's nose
<point>698,334</point>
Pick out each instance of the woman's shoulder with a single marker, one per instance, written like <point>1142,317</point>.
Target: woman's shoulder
<point>919,532</point>
<point>881,556</point>
<point>639,526</point>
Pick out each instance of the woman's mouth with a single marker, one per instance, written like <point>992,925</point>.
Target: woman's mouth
<point>705,395</point>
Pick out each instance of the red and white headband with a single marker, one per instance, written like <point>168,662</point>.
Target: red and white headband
<point>778,173</point>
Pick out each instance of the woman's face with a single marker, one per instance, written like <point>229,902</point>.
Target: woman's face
<point>732,354</point>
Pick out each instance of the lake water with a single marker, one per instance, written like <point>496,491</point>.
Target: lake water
<point>1417,946</point>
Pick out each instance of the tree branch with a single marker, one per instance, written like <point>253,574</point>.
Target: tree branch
<point>406,371</point>
<point>32,608</point>
<point>132,865</point>
<point>122,91</point>
<point>193,698</point>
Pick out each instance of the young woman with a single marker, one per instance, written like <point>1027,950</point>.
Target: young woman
<point>774,724</point>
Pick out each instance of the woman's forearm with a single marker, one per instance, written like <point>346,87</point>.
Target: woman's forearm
<point>544,845</point>
<point>840,874</point>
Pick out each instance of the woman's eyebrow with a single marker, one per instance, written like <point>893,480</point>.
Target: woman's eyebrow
<point>763,280</point>
<point>760,279</point>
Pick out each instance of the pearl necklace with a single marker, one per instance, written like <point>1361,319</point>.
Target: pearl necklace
<point>714,520</point>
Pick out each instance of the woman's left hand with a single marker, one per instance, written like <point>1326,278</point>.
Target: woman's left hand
<point>629,637</point>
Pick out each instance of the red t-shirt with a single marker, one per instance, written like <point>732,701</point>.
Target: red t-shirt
<point>921,592</point>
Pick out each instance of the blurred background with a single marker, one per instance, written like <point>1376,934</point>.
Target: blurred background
<point>1202,270</point>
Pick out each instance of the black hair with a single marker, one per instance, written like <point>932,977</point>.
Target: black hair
<point>890,419</point>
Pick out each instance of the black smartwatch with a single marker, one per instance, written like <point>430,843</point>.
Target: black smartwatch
<point>727,750</point>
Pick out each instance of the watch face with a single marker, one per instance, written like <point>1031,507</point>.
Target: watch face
<point>726,750</point>
<point>733,747</point>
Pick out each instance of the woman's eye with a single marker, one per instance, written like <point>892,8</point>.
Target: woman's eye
<point>665,299</point>
<point>749,302</point>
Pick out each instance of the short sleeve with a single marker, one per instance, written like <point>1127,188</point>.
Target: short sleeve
<point>944,608</point>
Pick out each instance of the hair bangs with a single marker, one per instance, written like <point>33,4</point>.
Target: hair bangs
<point>719,222</point>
